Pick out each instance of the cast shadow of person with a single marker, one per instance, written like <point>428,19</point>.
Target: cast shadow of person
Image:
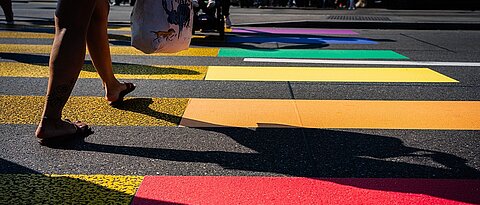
<point>118,68</point>
<point>255,39</point>
<point>315,153</point>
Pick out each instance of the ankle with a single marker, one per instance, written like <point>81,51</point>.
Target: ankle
<point>112,86</point>
<point>50,120</point>
<point>45,123</point>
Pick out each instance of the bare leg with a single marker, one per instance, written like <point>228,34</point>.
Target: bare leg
<point>97,42</point>
<point>66,60</point>
<point>7,9</point>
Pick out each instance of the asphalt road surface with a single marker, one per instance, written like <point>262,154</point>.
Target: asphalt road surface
<point>264,116</point>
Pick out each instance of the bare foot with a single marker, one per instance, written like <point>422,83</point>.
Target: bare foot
<point>57,128</point>
<point>115,96</point>
<point>112,92</point>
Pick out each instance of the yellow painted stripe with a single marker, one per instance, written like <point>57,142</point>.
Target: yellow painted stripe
<point>68,189</point>
<point>11,34</point>
<point>363,114</point>
<point>244,73</point>
<point>95,111</point>
<point>129,29</point>
<point>33,35</point>
<point>51,26</point>
<point>113,28</point>
<point>40,35</point>
<point>126,28</point>
<point>115,50</point>
<point>123,71</point>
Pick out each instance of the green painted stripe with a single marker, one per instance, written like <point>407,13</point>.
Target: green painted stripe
<point>304,53</point>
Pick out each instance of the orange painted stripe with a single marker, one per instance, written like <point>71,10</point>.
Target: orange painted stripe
<point>456,115</point>
<point>362,114</point>
<point>240,113</point>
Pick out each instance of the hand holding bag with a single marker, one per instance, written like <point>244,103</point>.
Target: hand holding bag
<point>162,26</point>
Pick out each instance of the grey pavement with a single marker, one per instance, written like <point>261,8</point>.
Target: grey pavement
<point>368,18</point>
<point>420,35</point>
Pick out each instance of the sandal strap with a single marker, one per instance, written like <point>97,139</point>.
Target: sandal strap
<point>50,118</point>
<point>129,85</point>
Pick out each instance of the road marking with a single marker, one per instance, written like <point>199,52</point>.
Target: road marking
<point>295,31</point>
<point>122,28</point>
<point>363,62</point>
<point>300,190</point>
<point>114,50</point>
<point>312,53</point>
<point>122,71</point>
<point>301,40</point>
<point>18,34</point>
<point>361,114</point>
<point>95,111</point>
<point>246,73</point>
<point>67,189</point>
<point>45,35</point>
<point>240,113</point>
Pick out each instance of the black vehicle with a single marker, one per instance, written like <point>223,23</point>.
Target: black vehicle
<point>208,19</point>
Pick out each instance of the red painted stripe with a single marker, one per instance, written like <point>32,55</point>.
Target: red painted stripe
<point>294,190</point>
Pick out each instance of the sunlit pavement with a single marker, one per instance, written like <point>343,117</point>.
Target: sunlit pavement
<point>265,116</point>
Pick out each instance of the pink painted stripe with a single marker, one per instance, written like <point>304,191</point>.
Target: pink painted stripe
<point>295,190</point>
<point>293,31</point>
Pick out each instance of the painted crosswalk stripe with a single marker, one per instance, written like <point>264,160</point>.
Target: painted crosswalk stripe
<point>95,111</point>
<point>246,73</point>
<point>295,31</point>
<point>361,114</point>
<point>301,40</point>
<point>40,35</point>
<point>363,62</point>
<point>297,190</point>
<point>122,71</point>
<point>114,50</point>
<point>67,189</point>
<point>18,34</point>
<point>312,53</point>
<point>50,27</point>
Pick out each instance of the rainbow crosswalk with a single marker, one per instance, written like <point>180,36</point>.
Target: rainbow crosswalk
<point>204,113</point>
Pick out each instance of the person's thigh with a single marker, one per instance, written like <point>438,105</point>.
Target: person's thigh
<point>100,12</point>
<point>75,14</point>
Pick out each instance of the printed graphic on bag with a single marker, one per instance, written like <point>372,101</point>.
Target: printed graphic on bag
<point>180,16</point>
<point>169,35</point>
<point>162,26</point>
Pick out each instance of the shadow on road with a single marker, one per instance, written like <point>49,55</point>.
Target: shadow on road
<point>20,185</point>
<point>315,153</point>
<point>119,68</point>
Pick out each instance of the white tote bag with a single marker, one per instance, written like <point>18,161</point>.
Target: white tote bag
<point>162,26</point>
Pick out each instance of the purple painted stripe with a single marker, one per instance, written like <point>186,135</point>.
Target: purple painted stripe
<point>293,31</point>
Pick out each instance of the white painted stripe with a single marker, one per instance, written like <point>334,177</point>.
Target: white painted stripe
<point>363,62</point>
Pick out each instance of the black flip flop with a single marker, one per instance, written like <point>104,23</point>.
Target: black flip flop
<point>80,132</point>
<point>121,95</point>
